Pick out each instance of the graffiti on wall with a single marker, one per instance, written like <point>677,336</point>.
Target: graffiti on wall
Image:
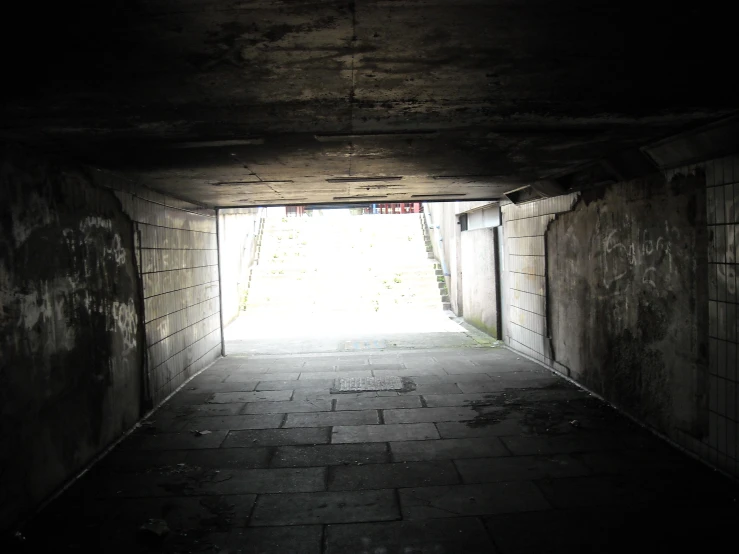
<point>644,255</point>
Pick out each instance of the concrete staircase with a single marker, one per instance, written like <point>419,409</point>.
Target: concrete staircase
<point>367,263</point>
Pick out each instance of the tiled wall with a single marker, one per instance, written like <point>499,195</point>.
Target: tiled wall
<point>721,446</point>
<point>178,261</point>
<point>524,228</point>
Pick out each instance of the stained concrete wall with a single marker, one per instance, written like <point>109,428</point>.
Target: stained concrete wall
<point>480,285</point>
<point>627,298</point>
<point>179,273</point>
<point>71,334</point>
<point>631,291</point>
<point>238,232</point>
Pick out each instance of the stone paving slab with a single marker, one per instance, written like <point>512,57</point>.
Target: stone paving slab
<point>497,385</point>
<point>233,408</point>
<point>391,476</point>
<point>257,396</point>
<point>278,373</point>
<point>626,462</point>
<point>294,539</point>
<point>321,419</point>
<point>259,481</point>
<point>257,377</point>
<point>229,458</point>
<point>272,363</point>
<point>388,364</point>
<point>409,373</point>
<point>517,465</point>
<point>458,535</point>
<point>210,388</point>
<point>434,388</point>
<point>125,459</point>
<point>330,454</point>
<point>187,480</point>
<point>186,398</point>
<point>177,441</point>
<point>458,430</point>
<point>277,437</point>
<point>454,413</point>
<point>584,442</point>
<point>295,406</point>
<point>261,421</point>
<point>325,507</point>
<point>202,518</point>
<point>470,500</point>
<point>470,378</point>
<point>520,468</point>
<point>324,395</point>
<point>447,449</point>
<point>317,384</point>
<point>377,402</point>
<point>354,366</point>
<point>336,375</point>
<point>208,377</point>
<point>421,360</point>
<point>564,393</point>
<point>597,490</point>
<point>440,400</point>
<point>383,433</point>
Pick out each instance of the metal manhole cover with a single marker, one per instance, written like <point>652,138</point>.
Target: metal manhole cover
<point>369,384</point>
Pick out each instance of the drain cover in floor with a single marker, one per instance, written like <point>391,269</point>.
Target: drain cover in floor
<point>362,384</point>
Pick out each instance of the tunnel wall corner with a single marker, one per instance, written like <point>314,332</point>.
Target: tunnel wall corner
<point>642,303</point>
<point>178,262</point>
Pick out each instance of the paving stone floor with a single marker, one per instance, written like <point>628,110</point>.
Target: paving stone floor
<point>256,456</point>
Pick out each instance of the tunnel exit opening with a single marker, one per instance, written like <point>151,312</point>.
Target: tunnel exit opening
<point>303,279</point>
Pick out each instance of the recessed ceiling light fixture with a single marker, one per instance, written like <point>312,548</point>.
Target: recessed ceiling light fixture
<point>440,194</point>
<point>452,177</point>
<point>362,179</point>
<point>359,197</point>
<point>341,137</point>
<point>218,143</point>
<point>237,183</point>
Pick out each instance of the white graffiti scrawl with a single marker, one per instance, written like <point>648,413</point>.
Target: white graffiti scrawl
<point>125,322</point>
<point>648,256</point>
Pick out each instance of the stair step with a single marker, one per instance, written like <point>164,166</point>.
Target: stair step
<point>308,263</point>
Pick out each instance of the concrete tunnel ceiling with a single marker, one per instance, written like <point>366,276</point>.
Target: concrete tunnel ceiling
<point>237,103</point>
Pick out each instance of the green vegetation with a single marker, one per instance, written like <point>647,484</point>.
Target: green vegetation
<point>243,299</point>
<point>491,330</point>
